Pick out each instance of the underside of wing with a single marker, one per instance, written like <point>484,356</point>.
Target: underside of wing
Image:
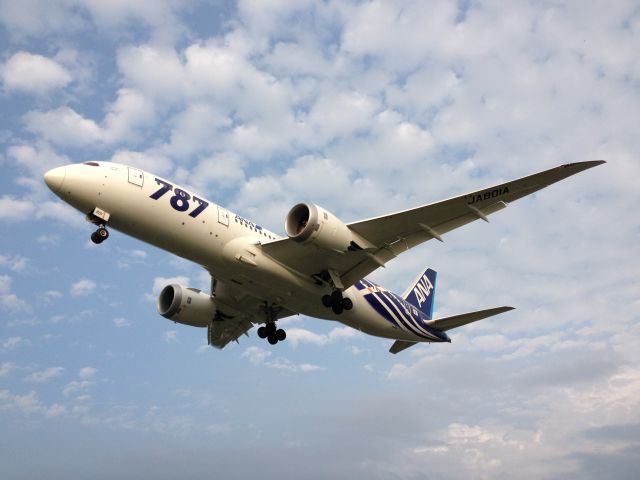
<point>395,233</point>
<point>237,312</point>
<point>220,333</point>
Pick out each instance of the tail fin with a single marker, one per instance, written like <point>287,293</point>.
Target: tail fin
<point>421,294</point>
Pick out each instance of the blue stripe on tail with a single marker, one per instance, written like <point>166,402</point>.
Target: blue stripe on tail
<point>423,292</point>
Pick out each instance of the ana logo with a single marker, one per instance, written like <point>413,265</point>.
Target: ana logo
<point>422,290</point>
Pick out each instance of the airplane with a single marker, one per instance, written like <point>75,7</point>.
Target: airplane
<point>318,269</point>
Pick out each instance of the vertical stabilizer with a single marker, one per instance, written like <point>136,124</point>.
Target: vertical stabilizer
<point>421,294</point>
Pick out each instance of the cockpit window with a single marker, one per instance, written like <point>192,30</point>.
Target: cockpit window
<point>93,164</point>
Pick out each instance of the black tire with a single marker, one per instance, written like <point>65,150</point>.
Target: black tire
<point>95,238</point>
<point>271,328</point>
<point>347,304</point>
<point>273,339</point>
<point>336,297</point>
<point>281,334</point>
<point>337,308</point>
<point>326,300</point>
<point>103,233</point>
<point>262,332</point>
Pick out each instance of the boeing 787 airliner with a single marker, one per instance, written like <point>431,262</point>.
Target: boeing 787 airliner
<point>259,277</point>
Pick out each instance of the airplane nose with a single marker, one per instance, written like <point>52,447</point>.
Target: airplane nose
<point>54,178</point>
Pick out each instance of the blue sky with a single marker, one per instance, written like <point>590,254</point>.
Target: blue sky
<point>363,108</point>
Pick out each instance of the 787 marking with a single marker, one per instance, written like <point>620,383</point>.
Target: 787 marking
<point>179,201</point>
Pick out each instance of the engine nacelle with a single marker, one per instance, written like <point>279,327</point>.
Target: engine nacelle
<point>189,306</point>
<point>309,223</point>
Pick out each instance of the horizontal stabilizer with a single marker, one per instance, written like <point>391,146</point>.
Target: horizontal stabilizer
<point>400,345</point>
<point>455,321</point>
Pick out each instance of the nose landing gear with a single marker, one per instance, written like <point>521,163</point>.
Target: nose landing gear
<point>100,218</point>
<point>100,235</point>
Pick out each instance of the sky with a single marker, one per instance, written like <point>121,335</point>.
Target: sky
<point>363,107</point>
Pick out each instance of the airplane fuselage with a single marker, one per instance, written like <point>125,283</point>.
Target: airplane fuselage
<point>159,212</point>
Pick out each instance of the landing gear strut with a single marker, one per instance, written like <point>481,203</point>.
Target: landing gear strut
<point>337,302</point>
<point>100,235</point>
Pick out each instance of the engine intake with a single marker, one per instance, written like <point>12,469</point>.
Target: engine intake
<point>188,306</point>
<point>310,223</point>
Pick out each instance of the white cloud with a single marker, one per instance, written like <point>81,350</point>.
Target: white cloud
<point>170,336</point>
<point>52,240</point>
<point>51,295</point>
<point>63,126</point>
<point>29,404</point>
<point>260,356</point>
<point>76,386</point>
<point>6,368</point>
<point>16,263</point>
<point>87,373</point>
<point>33,73</point>
<point>42,17</point>
<point>87,376</point>
<point>151,161</point>
<point>36,159</point>
<point>5,283</point>
<point>45,375</point>
<point>11,343</point>
<point>121,322</point>
<point>9,300</point>
<point>130,112</point>
<point>297,336</point>
<point>160,282</point>
<point>15,209</point>
<point>82,287</point>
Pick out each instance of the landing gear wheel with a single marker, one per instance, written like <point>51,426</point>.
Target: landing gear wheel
<point>347,303</point>
<point>262,332</point>
<point>337,308</point>
<point>326,300</point>
<point>337,302</point>
<point>281,334</point>
<point>273,339</point>
<point>100,235</point>
<point>271,328</point>
<point>336,297</point>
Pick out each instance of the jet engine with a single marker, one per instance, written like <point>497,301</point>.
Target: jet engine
<point>189,306</point>
<point>310,223</point>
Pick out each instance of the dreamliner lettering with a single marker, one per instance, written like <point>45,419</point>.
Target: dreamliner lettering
<point>488,195</point>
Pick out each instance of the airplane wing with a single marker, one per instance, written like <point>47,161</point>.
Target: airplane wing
<point>398,232</point>
<point>220,333</point>
<point>236,313</point>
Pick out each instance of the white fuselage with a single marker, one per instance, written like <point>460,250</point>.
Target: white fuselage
<point>157,211</point>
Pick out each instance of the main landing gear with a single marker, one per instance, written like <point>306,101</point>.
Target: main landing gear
<point>100,235</point>
<point>269,330</point>
<point>272,333</point>
<point>337,302</point>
